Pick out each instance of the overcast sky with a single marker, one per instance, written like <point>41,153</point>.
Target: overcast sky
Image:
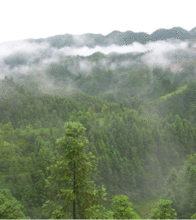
<point>23,19</point>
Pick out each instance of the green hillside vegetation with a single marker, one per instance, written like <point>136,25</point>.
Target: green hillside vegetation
<point>139,125</point>
<point>172,93</point>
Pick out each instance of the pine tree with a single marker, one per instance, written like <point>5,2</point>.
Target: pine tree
<point>164,211</point>
<point>72,192</point>
<point>123,208</point>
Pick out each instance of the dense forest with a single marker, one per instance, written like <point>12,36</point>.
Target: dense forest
<point>139,123</point>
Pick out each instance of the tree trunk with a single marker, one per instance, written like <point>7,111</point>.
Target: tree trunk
<point>74,191</point>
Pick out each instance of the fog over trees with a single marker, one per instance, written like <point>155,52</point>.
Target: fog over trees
<point>126,99</point>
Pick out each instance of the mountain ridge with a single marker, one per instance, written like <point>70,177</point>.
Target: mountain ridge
<point>116,37</point>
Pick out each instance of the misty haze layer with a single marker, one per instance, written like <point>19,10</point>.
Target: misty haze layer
<point>34,59</point>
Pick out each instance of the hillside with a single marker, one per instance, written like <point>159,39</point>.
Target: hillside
<point>139,118</point>
<point>117,38</point>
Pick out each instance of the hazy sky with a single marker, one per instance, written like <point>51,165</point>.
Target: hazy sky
<point>23,19</point>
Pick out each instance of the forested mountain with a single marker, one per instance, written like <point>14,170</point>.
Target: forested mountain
<point>139,120</point>
<point>117,38</point>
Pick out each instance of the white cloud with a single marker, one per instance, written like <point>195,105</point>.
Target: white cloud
<point>86,66</point>
<point>160,53</point>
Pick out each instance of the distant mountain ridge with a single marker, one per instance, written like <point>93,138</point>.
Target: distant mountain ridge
<point>116,37</point>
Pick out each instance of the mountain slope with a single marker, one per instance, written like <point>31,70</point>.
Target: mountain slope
<point>117,38</point>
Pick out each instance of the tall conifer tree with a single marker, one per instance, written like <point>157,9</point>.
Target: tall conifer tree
<point>73,193</point>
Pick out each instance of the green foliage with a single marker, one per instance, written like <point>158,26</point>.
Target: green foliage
<point>179,91</point>
<point>104,109</point>
<point>123,208</point>
<point>28,128</point>
<point>70,171</point>
<point>98,212</point>
<point>10,208</point>
<point>137,148</point>
<point>173,177</point>
<point>193,216</point>
<point>164,211</point>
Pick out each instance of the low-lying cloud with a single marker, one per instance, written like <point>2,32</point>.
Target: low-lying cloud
<point>19,58</point>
